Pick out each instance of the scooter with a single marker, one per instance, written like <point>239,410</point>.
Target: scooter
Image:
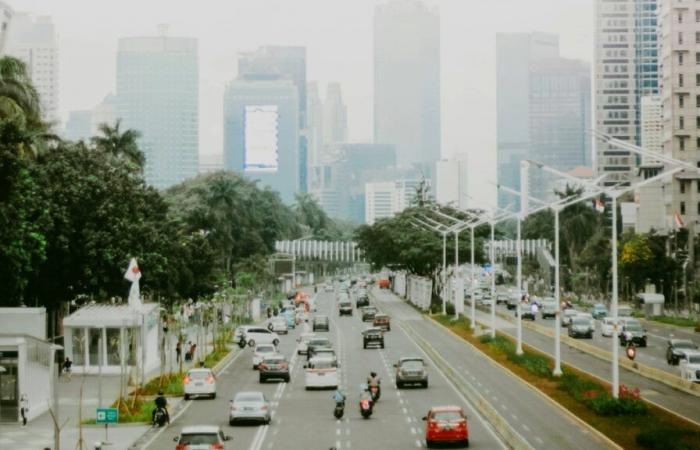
<point>160,418</point>
<point>365,408</point>
<point>339,410</point>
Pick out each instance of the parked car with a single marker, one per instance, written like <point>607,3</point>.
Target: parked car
<point>373,336</point>
<point>411,370</point>
<point>249,406</point>
<point>199,382</point>
<point>567,315</point>
<point>580,327</point>
<point>446,424</point>
<point>345,308</point>
<point>320,323</point>
<point>599,311</point>
<point>321,373</point>
<point>690,367</point>
<point>201,437</point>
<point>632,331</point>
<point>382,321</point>
<point>678,349</point>
<point>274,367</point>
<point>278,325</point>
<point>549,309</point>
<point>260,335</point>
<point>303,341</point>
<point>368,313</point>
<point>261,352</point>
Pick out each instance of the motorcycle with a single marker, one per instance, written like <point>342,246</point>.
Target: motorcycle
<point>160,418</point>
<point>242,343</point>
<point>365,408</point>
<point>339,410</point>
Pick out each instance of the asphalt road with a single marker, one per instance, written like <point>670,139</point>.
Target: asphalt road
<point>304,420</point>
<point>684,404</point>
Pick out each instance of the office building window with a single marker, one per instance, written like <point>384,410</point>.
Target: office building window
<point>680,80</point>
<point>697,57</point>
<point>697,101</point>
<point>680,16</point>
<point>697,37</point>
<point>682,186</point>
<point>697,79</point>
<point>697,122</point>
<point>680,38</point>
<point>681,102</point>
<point>681,144</point>
<point>697,15</point>
<point>681,122</point>
<point>697,186</point>
<point>680,58</point>
<point>683,208</point>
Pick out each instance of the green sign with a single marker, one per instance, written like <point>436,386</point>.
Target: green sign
<point>107,415</point>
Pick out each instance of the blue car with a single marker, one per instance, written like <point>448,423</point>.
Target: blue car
<point>599,311</point>
<point>291,321</point>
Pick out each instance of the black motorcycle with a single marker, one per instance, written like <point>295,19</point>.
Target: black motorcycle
<point>160,418</point>
<point>339,409</point>
<point>365,408</point>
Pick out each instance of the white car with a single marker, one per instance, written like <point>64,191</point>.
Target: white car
<point>278,325</point>
<point>260,335</point>
<point>249,406</point>
<point>329,288</point>
<point>261,352</point>
<point>567,315</point>
<point>607,326</point>
<point>199,382</point>
<point>202,437</point>
<point>321,373</point>
<point>303,341</point>
<point>690,367</point>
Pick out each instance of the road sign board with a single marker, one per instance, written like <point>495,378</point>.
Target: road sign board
<point>107,415</point>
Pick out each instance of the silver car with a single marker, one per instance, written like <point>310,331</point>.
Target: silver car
<point>411,370</point>
<point>201,437</point>
<point>249,406</point>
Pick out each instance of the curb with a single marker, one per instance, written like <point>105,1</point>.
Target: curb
<point>609,443</point>
<point>644,370</point>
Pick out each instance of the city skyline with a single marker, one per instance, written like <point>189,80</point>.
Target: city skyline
<point>344,54</point>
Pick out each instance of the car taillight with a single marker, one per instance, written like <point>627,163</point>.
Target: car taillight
<point>210,379</point>
<point>263,407</point>
<point>216,447</point>
<point>262,366</point>
<point>186,380</point>
<point>180,447</point>
<point>284,365</point>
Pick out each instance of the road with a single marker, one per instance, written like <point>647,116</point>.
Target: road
<point>684,404</point>
<point>303,419</point>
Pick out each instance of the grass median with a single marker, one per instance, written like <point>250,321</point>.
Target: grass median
<point>629,421</point>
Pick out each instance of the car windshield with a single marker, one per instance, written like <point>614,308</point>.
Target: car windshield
<point>684,344</point>
<point>581,322</point>
<point>249,397</point>
<point>321,320</point>
<point>320,342</point>
<point>199,439</point>
<point>447,415</point>
<point>265,349</point>
<point>198,374</point>
<point>371,309</point>
<point>633,327</point>
<point>412,365</point>
<point>274,360</point>
<point>321,364</point>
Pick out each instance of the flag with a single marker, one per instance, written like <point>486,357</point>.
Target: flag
<point>599,206</point>
<point>133,274</point>
<point>678,219</point>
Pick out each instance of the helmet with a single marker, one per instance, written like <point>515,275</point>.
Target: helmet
<point>160,392</point>
<point>373,374</point>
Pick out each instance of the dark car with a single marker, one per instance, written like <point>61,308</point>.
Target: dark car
<point>382,321</point>
<point>632,331</point>
<point>580,327</point>
<point>320,323</point>
<point>373,336</point>
<point>411,370</point>
<point>362,300</point>
<point>317,343</point>
<point>345,308</point>
<point>274,367</point>
<point>677,349</point>
<point>368,313</point>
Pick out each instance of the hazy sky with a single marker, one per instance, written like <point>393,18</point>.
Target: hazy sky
<point>338,38</point>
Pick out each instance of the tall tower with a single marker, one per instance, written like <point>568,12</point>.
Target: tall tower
<point>407,81</point>
<point>335,116</point>
<point>158,95</point>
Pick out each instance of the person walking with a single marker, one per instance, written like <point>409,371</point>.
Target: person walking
<point>24,408</point>
<point>67,366</point>
<point>178,351</point>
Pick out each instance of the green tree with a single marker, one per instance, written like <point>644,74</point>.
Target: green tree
<point>120,145</point>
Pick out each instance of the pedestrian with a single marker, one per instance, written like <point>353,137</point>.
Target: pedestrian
<point>24,408</point>
<point>188,353</point>
<point>534,308</point>
<point>193,351</point>
<point>178,351</point>
<point>67,365</point>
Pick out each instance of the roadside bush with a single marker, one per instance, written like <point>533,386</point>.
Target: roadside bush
<point>450,309</point>
<point>606,405</point>
<point>667,439</point>
<point>594,396</point>
<point>170,384</point>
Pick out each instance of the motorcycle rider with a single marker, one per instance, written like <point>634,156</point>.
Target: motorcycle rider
<point>373,382</point>
<point>161,403</point>
<point>339,397</point>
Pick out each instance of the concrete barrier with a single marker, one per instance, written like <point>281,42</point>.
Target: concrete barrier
<point>669,379</point>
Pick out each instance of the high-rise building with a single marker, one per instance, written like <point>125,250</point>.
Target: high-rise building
<point>560,120</point>
<point>158,95</point>
<point>211,162</point>
<point>6,14</point>
<point>383,199</point>
<point>261,133</point>
<point>451,181</point>
<point>650,198</point>
<point>515,55</point>
<point>407,81</point>
<point>335,116</point>
<point>626,69</point>
<point>314,113</point>
<point>652,125</point>
<point>679,35</point>
<point>33,39</point>
<point>79,125</point>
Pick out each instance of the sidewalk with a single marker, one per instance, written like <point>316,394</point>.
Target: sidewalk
<point>38,434</point>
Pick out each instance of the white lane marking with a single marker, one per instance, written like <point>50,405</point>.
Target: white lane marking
<point>337,444</point>
<point>413,430</point>
<point>514,416</point>
<point>526,428</point>
<point>418,443</point>
<point>408,419</point>
<point>539,441</point>
<point>405,411</point>
<point>504,407</point>
<point>337,432</point>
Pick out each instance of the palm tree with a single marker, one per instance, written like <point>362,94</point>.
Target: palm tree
<point>120,144</point>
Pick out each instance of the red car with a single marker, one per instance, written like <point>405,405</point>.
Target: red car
<point>446,424</point>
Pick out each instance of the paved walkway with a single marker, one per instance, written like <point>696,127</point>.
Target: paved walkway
<point>38,434</point>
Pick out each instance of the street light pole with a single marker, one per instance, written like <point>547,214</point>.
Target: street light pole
<point>444,273</point>
<point>518,291</point>
<point>613,306</point>
<point>557,298</point>
<point>493,280</point>
<point>457,276</point>
<point>471,289</point>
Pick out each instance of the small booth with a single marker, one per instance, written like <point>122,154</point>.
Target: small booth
<point>129,335</point>
<point>652,304</point>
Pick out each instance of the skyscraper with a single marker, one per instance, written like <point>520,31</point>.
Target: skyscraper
<point>261,132</point>
<point>314,113</point>
<point>158,94</point>
<point>6,14</point>
<point>626,69</point>
<point>407,81</point>
<point>515,55</point>
<point>335,116</point>
<point>451,181</point>
<point>33,39</point>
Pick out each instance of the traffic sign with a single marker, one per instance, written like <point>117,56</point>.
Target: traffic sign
<point>107,415</point>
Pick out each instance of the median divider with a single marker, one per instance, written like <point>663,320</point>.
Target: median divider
<point>644,370</point>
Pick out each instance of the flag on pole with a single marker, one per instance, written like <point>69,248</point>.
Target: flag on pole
<point>678,219</point>
<point>133,274</point>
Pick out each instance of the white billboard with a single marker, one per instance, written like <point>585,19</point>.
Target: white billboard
<point>261,138</point>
